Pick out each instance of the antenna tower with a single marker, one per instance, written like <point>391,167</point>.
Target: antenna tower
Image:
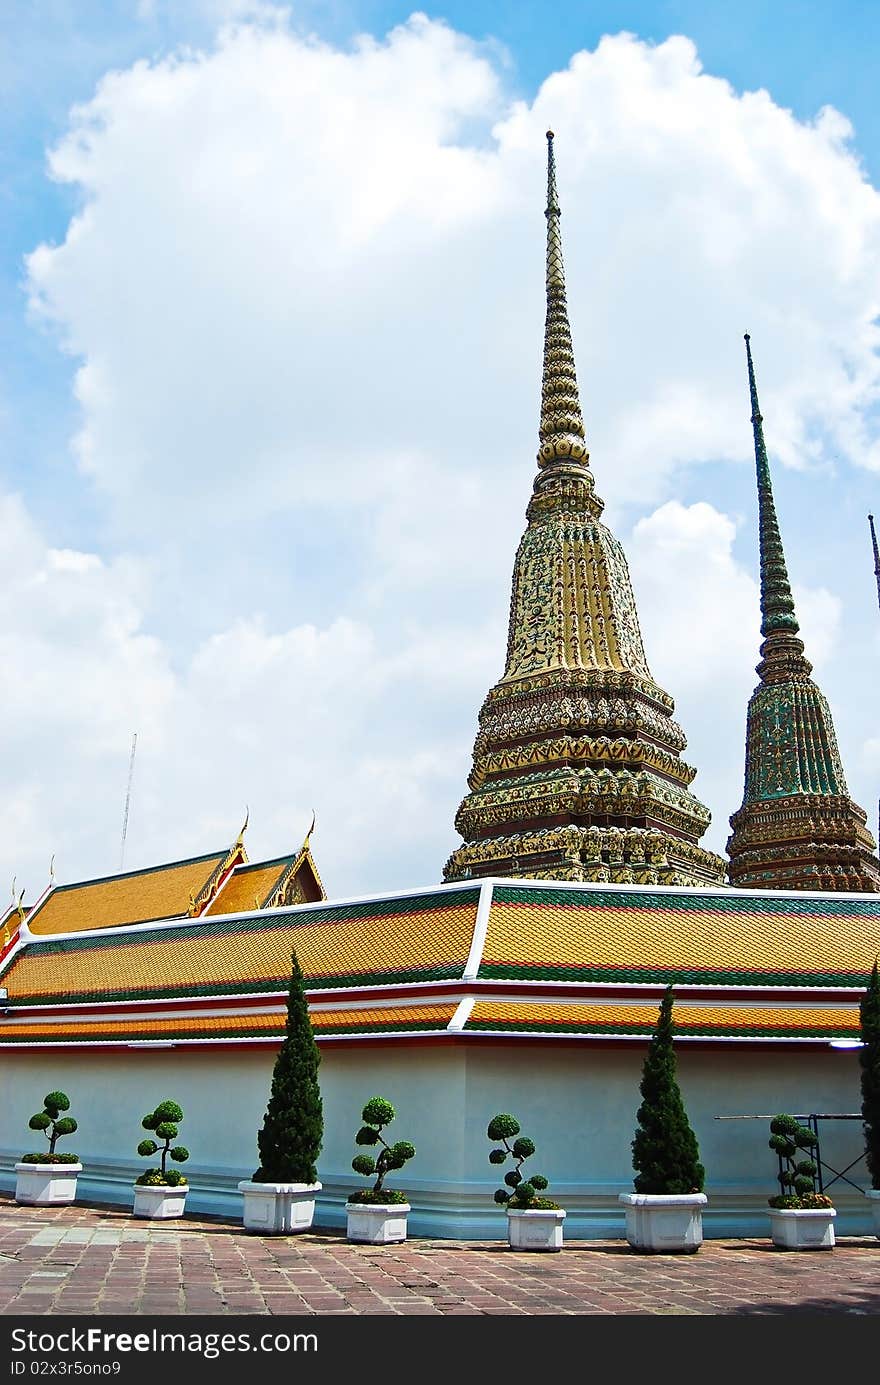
<point>127,798</point>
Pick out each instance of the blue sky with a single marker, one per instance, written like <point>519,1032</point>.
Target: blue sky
<point>227,391</point>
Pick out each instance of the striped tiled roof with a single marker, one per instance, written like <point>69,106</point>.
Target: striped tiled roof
<point>139,896</point>
<point>699,937</point>
<point>488,959</point>
<point>233,1026</point>
<point>691,1020</point>
<point>416,938</point>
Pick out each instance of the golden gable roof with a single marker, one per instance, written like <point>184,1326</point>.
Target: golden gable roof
<point>138,896</point>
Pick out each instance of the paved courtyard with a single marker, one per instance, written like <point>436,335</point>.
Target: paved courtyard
<point>96,1260</point>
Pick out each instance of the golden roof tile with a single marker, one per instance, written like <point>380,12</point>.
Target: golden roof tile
<point>729,938</point>
<point>416,938</point>
<point>248,887</point>
<point>140,896</point>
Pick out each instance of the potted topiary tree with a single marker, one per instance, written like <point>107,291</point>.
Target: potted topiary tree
<point>665,1213</point>
<point>533,1222</point>
<point>869,1058</point>
<point>378,1215</point>
<point>280,1198</point>
<point>801,1218</point>
<point>48,1177</point>
<point>161,1192</point>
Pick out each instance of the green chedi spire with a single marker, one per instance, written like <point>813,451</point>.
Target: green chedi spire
<point>797,828</point>
<point>777,602</point>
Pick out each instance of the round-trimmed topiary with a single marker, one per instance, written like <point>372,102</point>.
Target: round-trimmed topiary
<point>376,1115</point>
<point>163,1121</point>
<point>293,1127</point>
<point>796,1176</point>
<point>524,1194</point>
<point>869,1060</point>
<point>665,1153</point>
<point>54,1126</point>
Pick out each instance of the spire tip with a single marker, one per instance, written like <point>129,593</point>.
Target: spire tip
<point>550,135</point>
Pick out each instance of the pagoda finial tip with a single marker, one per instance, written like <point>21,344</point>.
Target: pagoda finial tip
<point>746,336</point>
<point>550,134</point>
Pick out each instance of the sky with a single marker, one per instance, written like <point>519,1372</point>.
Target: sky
<point>271,318</point>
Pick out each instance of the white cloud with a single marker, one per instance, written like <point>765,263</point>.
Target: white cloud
<point>303,293</point>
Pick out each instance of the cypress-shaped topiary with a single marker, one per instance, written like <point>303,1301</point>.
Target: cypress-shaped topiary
<point>869,1058</point>
<point>665,1152</point>
<point>293,1127</point>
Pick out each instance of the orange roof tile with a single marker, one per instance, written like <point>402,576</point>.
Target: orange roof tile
<point>379,1020</point>
<point>711,1021</point>
<point>140,896</point>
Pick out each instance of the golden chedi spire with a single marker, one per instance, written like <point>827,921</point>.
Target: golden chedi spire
<point>797,827</point>
<point>577,772</point>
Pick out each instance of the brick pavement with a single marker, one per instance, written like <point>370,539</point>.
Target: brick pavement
<point>96,1260</point>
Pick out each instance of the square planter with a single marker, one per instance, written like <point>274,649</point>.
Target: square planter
<point>377,1223</point>
<point>278,1209</point>
<point>805,1228</point>
<point>539,1229</point>
<point>874,1195</point>
<point>664,1223</point>
<point>46,1185</point>
<point>159,1202</point>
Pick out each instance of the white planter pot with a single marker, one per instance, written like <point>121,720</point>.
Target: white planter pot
<point>159,1202</point>
<point>278,1209</point>
<point>802,1228</point>
<point>538,1229</point>
<point>664,1223</point>
<point>377,1223</point>
<point>874,1195</point>
<point>46,1185</point>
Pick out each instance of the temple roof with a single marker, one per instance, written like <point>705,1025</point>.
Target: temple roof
<point>264,884</point>
<point>373,942</point>
<point>460,962</point>
<point>139,896</point>
<point>698,937</point>
<point>499,1018</point>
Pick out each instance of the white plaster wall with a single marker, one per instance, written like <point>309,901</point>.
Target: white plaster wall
<point>578,1103</point>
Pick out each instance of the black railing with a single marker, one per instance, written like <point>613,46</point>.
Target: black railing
<point>812,1121</point>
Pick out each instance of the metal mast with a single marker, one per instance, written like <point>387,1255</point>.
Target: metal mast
<point>127,799</point>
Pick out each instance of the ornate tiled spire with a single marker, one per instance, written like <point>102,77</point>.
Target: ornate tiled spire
<point>577,771</point>
<point>876,554</point>
<point>797,827</point>
<point>561,432</point>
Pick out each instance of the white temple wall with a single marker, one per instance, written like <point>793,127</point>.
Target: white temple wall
<point>577,1102</point>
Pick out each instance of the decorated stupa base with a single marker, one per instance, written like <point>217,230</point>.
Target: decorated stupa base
<point>803,842</point>
<point>598,855</point>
